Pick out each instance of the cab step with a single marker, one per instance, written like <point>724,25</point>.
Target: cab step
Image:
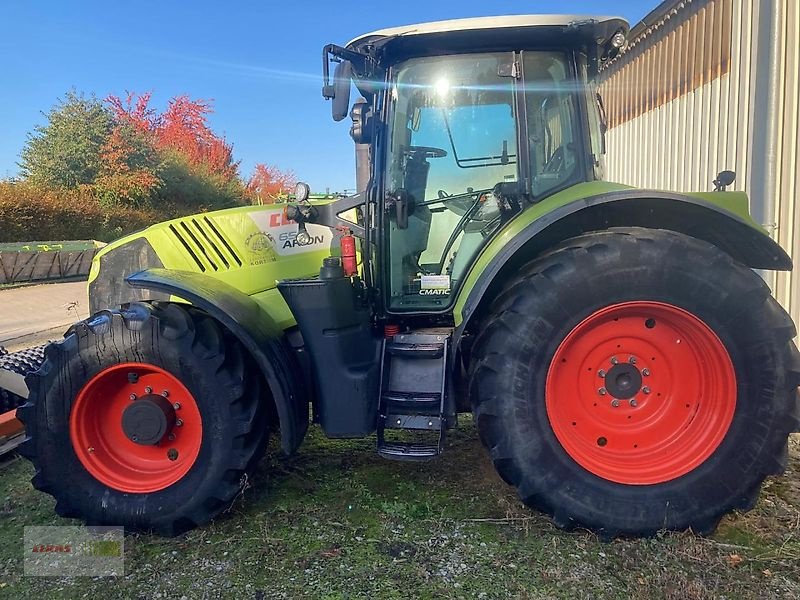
<point>413,394</point>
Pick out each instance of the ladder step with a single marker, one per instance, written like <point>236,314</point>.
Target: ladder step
<point>412,396</point>
<point>413,422</point>
<point>415,350</point>
<point>398,451</point>
<point>406,399</point>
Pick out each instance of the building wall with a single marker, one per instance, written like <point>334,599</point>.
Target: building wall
<point>708,85</point>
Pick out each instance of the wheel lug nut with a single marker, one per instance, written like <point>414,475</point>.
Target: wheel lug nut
<point>615,403</point>
<point>176,406</point>
<point>633,402</point>
<point>614,360</point>
<point>601,373</point>
<point>646,390</point>
<point>132,396</point>
<point>171,437</point>
<point>148,390</point>
<point>632,360</point>
<point>646,372</point>
<point>179,423</point>
<point>602,391</point>
<point>165,393</point>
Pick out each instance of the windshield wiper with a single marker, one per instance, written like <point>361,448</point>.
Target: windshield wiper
<point>459,228</point>
<point>485,161</point>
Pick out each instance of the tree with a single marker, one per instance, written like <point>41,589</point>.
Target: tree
<point>125,152</point>
<point>184,127</point>
<point>129,167</point>
<point>65,152</point>
<point>268,183</point>
<point>134,110</point>
<point>196,165</point>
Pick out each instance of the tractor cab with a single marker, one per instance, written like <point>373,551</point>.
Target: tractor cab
<point>460,125</point>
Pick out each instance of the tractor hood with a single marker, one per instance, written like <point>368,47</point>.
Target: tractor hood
<point>249,248</point>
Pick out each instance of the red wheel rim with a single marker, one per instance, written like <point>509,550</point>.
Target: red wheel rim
<point>108,452</point>
<point>647,428</point>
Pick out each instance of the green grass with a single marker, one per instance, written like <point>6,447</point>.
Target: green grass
<point>336,521</point>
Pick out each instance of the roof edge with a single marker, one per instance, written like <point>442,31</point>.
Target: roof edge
<point>482,23</point>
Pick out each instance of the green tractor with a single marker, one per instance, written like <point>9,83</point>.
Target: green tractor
<point>627,368</point>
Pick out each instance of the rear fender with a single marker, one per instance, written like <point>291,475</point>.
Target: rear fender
<point>257,332</point>
<point>705,216</point>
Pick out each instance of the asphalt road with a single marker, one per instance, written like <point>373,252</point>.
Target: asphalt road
<point>31,315</point>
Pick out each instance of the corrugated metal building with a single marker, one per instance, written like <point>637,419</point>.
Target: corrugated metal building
<point>708,85</point>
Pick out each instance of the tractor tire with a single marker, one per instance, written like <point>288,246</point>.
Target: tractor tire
<point>149,417</point>
<point>23,362</point>
<point>634,380</point>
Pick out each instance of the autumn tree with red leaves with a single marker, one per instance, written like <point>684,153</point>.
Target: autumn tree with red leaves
<point>128,168</point>
<point>134,110</point>
<point>122,153</point>
<point>196,165</point>
<point>268,183</point>
<point>184,127</point>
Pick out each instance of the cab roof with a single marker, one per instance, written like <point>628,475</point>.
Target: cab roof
<point>583,27</point>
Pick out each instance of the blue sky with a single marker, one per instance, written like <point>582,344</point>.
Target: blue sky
<point>259,62</point>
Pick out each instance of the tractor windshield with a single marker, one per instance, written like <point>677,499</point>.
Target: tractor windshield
<point>453,136</point>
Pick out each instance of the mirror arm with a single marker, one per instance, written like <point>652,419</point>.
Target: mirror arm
<point>363,65</point>
<point>328,214</point>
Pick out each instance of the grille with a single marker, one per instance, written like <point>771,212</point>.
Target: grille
<point>205,244</point>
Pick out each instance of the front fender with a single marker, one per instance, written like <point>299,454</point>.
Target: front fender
<point>718,218</point>
<point>254,328</point>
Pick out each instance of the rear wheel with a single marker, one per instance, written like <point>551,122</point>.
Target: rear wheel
<point>634,380</point>
<point>149,417</point>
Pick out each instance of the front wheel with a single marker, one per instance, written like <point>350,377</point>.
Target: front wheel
<point>149,417</point>
<point>634,380</point>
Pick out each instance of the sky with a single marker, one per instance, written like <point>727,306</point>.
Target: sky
<point>260,62</point>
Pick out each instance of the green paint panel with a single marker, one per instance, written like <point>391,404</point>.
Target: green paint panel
<point>253,247</point>
<point>249,248</point>
<point>574,193</point>
<point>734,202</point>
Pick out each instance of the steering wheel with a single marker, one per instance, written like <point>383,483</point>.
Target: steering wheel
<point>426,152</point>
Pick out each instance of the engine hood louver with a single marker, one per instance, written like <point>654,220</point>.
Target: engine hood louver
<point>204,243</point>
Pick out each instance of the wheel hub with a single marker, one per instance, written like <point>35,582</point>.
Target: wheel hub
<point>148,420</point>
<point>623,381</point>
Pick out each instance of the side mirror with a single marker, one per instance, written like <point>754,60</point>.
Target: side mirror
<point>723,180</point>
<point>301,192</point>
<point>361,115</point>
<point>342,77</point>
